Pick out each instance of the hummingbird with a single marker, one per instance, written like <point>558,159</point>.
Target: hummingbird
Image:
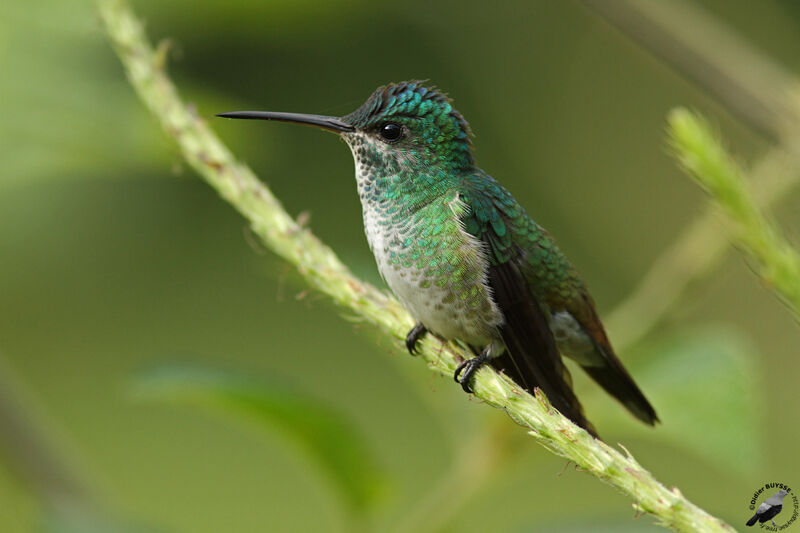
<point>463,256</point>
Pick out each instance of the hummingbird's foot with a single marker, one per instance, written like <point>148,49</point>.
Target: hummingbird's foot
<point>469,367</point>
<point>416,333</point>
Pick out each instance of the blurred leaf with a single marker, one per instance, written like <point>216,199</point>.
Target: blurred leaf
<point>704,385</point>
<point>325,434</point>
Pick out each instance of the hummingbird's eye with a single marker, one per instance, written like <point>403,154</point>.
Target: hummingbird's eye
<point>391,132</point>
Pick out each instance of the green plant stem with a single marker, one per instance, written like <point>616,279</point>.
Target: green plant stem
<point>704,158</point>
<point>320,267</point>
<point>693,256</point>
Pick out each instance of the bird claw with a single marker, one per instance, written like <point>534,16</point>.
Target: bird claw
<point>416,333</point>
<point>469,367</point>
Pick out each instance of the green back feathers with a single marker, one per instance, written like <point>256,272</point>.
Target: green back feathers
<point>510,234</point>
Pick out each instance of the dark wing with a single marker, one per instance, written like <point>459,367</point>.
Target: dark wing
<point>531,358</point>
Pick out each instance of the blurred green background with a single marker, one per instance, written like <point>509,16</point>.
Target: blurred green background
<point>116,261</point>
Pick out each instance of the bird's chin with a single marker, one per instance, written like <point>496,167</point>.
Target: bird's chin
<point>352,138</point>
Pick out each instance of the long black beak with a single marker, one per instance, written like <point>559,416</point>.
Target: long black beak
<point>319,121</point>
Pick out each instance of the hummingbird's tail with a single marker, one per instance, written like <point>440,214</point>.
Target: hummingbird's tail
<point>597,358</point>
<point>606,369</point>
<point>616,381</point>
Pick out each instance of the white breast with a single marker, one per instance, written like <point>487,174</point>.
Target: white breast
<point>438,307</point>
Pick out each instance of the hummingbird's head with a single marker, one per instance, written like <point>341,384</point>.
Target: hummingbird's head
<point>412,125</point>
<point>402,125</point>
